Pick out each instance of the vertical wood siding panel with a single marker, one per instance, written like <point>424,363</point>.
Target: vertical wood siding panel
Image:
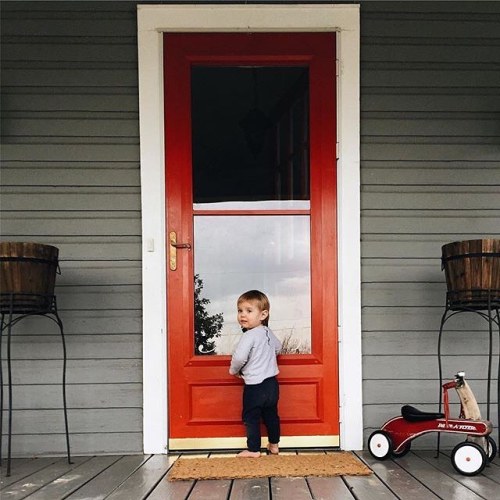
<point>430,175</point>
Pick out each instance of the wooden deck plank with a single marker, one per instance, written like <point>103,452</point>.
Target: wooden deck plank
<point>32,483</point>
<point>326,487</point>
<point>441,484</point>
<point>250,489</point>
<point>290,488</point>
<point>143,480</point>
<point>492,471</point>
<point>21,468</point>
<point>368,488</point>
<point>71,481</point>
<point>214,489</point>
<point>109,479</point>
<point>403,484</point>
<point>480,484</point>
<point>176,490</point>
<point>329,488</point>
<point>417,475</point>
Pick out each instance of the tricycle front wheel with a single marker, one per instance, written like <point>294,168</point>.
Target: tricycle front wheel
<point>468,458</point>
<point>380,445</point>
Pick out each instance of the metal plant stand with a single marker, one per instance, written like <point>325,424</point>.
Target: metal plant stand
<point>14,308</point>
<point>488,308</point>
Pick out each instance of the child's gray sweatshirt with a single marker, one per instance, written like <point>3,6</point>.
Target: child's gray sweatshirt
<point>255,355</point>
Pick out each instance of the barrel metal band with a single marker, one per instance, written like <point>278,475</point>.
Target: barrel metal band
<point>36,260</point>
<point>468,255</point>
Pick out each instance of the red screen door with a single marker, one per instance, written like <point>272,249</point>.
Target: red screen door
<point>251,204</point>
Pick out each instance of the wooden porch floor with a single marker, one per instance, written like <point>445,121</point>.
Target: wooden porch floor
<point>134,477</point>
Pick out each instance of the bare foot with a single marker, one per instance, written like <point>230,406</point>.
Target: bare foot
<point>273,448</point>
<point>248,454</point>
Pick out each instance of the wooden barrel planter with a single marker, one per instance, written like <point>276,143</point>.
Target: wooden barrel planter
<point>27,276</point>
<point>472,270</point>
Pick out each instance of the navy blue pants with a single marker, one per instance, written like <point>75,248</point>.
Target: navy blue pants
<point>260,402</point>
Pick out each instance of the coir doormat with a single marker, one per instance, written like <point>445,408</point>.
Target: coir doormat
<point>308,464</point>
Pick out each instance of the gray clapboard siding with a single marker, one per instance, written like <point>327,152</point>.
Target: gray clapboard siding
<point>82,420</point>
<point>64,175</point>
<point>100,248</point>
<point>430,151</point>
<point>417,318</point>
<point>42,100</point>
<point>421,342</point>
<point>432,221</point>
<point>407,246</point>
<point>431,198</point>
<point>98,273</point>
<point>25,445</point>
<point>71,198</point>
<point>375,175</point>
<point>70,222</point>
<point>460,52</point>
<point>412,367</point>
<point>65,77</point>
<point>426,392</point>
<point>430,175</point>
<point>80,371</point>
<point>76,125</point>
<point>43,151</point>
<point>393,270</point>
<point>126,395</point>
<point>43,346</point>
<point>71,179</point>
<point>446,149</point>
<point>71,51</point>
<point>91,322</point>
<point>75,24</point>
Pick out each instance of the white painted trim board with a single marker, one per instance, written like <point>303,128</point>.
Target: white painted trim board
<point>153,20</point>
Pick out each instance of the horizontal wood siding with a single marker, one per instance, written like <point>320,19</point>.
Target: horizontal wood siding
<point>70,178</point>
<point>430,169</point>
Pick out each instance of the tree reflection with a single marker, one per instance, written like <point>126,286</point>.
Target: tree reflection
<point>207,327</point>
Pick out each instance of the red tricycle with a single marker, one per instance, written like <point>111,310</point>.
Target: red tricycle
<point>468,457</point>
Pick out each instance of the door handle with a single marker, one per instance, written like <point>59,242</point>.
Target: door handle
<point>172,237</point>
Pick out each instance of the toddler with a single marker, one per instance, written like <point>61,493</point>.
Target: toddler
<point>254,360</point>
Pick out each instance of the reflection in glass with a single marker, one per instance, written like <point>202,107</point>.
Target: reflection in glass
<point>234,254</point>
<point>250,133</point>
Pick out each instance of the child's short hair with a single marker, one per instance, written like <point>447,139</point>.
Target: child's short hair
<point>260,299</point>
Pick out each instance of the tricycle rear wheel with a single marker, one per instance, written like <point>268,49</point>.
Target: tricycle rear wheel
<point>492,448</point>
<point>468,458</point>
<point>403,452</point>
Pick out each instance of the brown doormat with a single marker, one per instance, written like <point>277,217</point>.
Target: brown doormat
<point>308,464</point>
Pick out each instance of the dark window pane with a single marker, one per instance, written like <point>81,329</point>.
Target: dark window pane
<point>250,133</point>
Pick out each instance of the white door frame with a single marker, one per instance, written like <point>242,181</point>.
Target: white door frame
<point>153,20</point>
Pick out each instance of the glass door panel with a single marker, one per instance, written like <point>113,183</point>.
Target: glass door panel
<point>250,134</point>
<point>234,254</point>
<point>250,152</point>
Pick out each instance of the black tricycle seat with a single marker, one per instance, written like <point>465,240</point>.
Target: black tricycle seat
<point>412,414</point>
